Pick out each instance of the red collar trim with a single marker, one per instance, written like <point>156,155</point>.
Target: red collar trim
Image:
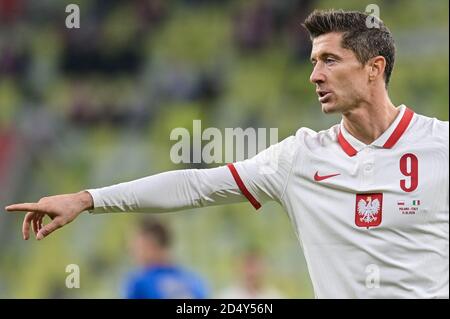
<point>391,141</point>
<point>346,146</point>
<point>400,129</point>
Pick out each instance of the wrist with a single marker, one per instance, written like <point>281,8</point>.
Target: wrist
<point>86,200</point>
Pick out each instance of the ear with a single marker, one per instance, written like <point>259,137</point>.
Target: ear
<point>376,67</point>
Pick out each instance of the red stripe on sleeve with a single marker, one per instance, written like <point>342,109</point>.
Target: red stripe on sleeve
<point>242,187</point>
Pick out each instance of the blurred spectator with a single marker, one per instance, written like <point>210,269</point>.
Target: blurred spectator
<point>159,277</point>
<point>151,13</point>
<point>298,39</point>
<point>251,285</point>
<point>7,143</point>
<point>10,11</point>
<point>254,26</point>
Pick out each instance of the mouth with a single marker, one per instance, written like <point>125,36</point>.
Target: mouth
<point>324,96</point>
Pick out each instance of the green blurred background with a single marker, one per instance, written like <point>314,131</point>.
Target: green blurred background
<point>90,107</point>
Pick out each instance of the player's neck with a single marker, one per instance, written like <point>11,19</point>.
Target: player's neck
<point>160,259</point>
<point>368,121</point>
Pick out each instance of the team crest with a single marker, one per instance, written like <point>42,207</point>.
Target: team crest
<point>368,210</point>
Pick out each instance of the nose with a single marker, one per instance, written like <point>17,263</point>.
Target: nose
<point>317,76</point>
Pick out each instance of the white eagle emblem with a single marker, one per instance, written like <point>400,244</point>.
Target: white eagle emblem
<point>368,211</point>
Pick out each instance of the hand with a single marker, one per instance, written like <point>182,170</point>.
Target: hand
<point>61,209</point>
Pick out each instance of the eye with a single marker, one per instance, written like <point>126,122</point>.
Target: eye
<point>329,60</point>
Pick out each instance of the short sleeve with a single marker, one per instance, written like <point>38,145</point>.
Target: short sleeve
<point>264,177</point>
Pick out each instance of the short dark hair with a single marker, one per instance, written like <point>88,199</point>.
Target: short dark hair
<point>155,229</point>
<point>364,41</point>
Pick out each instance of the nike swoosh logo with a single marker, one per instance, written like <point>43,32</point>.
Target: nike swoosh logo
<point>318,178</point>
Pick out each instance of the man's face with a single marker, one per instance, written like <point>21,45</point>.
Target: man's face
<point>143,249</point>
<point>341,80</point>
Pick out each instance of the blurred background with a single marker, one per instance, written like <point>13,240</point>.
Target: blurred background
<point>94,106</point>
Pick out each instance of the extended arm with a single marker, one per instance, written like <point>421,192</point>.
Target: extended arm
<point>169,191</point>
<point>261,178</point>
<point>165,192</point>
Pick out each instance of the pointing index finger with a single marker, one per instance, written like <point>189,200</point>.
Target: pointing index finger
<point>24,207</point>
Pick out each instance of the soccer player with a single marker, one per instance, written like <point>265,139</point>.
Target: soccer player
<point>368,197</point>
<point>251,281</point>
<point>158,276</point>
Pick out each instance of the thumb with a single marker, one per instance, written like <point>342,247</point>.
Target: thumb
<point>48,229</point>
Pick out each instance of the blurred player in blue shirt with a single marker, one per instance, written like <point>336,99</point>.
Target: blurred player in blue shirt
<point>158,277</point>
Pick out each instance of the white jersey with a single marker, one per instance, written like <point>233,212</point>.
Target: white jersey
<point>372,219</point>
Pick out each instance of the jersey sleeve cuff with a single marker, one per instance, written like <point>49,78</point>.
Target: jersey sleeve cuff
<point>96,198</point>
